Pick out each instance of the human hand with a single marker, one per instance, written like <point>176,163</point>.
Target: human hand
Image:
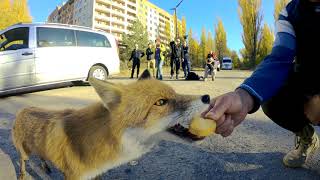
<point>229,110</point>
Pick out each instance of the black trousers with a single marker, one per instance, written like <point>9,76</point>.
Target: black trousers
<point>136,64</point>
<point>175,65</point>
<point>286,108</point>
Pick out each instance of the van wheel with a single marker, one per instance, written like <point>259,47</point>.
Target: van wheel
<point>98,72</point>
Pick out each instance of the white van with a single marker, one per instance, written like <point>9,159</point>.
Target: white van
<point>227,63</point>
<point>33,55</point>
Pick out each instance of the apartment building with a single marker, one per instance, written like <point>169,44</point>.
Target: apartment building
<point>63,14</point>
<point>115,16</point>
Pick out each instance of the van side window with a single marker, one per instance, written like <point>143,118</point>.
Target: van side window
<point>89,39</point>
<point>15,39</point>
<point>54,37</point>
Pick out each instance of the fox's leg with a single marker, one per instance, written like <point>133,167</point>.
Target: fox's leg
<point>23,158</point>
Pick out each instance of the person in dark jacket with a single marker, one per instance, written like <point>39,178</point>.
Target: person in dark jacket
<point>150,59</point>
<point>176,57</point>
<point>135,57</point>
<point>284,83</point>
<point>186,64</point>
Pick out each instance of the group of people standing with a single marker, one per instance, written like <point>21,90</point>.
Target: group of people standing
<point>155,59</point>
<point>179,56</point>
<point>156,56</point>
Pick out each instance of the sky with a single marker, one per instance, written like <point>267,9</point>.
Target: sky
<point>199,14</point>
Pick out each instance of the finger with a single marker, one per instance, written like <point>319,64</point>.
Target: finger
<point>228,129</point>
<point>212,102</point>
<point>219,109</point>
<point>237,121</point>
<point>227,124</point>
<point>220,121</point>
<point>227,133</point>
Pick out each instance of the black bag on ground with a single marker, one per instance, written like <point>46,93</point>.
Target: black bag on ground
<point>192,76</point>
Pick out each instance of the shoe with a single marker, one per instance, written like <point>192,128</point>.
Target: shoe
<point>307,141</point>
<point>177,76</point>
<point>171,77</point>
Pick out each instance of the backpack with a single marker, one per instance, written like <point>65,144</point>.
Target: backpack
<point>192,76</point>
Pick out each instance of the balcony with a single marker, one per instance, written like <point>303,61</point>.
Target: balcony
<point>133,11</point>
<point>119,27</point>
<point>118,6</point>
<point>102,17</point>
<point>120,3</point>
<point>103,9</point>
<point>132,3</point>
<point>106,2</point>
<point>101,26</point>
<point>118,21</point>
<point>133,15</point>
<point>102,20</point>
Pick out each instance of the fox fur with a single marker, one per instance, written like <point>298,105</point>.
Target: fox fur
<point>84,143</point>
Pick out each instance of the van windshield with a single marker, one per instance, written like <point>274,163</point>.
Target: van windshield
<point>226,61</point>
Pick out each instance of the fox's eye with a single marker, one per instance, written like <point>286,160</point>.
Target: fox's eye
<point>161,102</point>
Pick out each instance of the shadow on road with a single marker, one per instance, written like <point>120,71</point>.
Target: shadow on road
<point>171,160</point>
<point>177,161</point>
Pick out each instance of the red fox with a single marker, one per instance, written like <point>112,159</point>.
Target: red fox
<point>84,143</point>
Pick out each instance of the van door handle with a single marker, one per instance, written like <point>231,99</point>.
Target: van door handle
<point>27,54</point>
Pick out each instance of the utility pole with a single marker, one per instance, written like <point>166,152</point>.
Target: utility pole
<point>176,18</point>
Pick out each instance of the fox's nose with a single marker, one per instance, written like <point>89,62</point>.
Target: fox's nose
<point>205,99</point>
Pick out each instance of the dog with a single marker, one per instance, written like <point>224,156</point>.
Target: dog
<point>87,142</point>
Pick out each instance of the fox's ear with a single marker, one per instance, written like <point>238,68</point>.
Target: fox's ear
<point>145,75</point>
<point>109,93</point>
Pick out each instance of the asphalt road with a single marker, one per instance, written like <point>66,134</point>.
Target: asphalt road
<point>253,151</point>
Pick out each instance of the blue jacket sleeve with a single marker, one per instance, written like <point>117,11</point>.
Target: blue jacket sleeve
<point>271,74</point>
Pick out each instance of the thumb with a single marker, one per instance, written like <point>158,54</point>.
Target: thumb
<point>204,113</point>
<point>220,107</point>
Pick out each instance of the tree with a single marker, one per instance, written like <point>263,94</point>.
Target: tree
<point>210,42</point>
<point>13,12</point>
<point>203,45</point>
<point>21,11</point>
<point>266,42</point>
<point>235,59</point>
<point>278,6</point>
<point>250,17</point>
<point>5,11</point>
<point>194,50</point>
<point>137,35</point>
<point>220,40</point>
<point>184,26</point>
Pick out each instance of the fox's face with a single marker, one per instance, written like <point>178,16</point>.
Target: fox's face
<point>149,104</point>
